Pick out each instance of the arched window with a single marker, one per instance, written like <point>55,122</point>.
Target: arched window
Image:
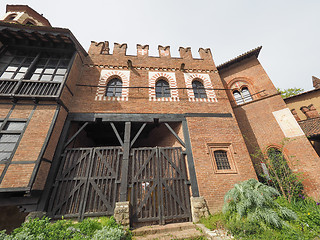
<point>276,157</point>
<point>238,97</point>
<point>11,17</point>
<point>242,96</point>
<point>30,22</point>
<point>198,89</point>
<point>114,88</point>
<point>246,94</point>
<point>162,89</point>
<point>222,161</point>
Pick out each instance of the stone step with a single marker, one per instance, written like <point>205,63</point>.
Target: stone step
<point>160,229</point>
<point>177,235</point>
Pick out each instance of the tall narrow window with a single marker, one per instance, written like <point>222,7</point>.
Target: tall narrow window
<point>242,96</point>
<point>222,161</point>
<point>9,137</point>
<point>246,94</point>
<point>162,89</point>
<point>237,97</point>
<point>114,88</point>
<point>198,89</point>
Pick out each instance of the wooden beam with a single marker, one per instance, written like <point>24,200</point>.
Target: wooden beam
<point>116,132</point>
<point>176,135</point>
<point>192,171</point>
<point>125,163</point>
<point>138,134</point>
<point>75,135</point>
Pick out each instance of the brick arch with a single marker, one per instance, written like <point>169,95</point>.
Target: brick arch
<point>105,77</point>
<point>205,80</point>
<point>245,80</point>
<point>238,84</point>
<point>170,77</point>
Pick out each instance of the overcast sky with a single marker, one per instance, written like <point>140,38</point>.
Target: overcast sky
<point>289,31</point>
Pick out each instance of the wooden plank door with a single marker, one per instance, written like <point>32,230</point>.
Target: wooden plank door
<point>103,181</point>
<point>158,186</point>
<point>70,184</point>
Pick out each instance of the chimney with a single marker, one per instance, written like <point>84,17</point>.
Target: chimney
<point>295,114</point>
<point>316,82</point>
<point>310,111</point>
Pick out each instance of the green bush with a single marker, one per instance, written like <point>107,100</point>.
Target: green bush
<point>43,229</point>
<point>254,202</point>
<point>244,208</point>
<point>109,233</point>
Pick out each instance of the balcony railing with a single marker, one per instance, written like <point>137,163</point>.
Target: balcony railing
<point>29,88</point>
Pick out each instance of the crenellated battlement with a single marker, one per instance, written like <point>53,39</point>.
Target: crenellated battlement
<point>97,48</point>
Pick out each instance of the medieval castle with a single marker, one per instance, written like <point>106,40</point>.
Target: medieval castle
<point>86,133</point>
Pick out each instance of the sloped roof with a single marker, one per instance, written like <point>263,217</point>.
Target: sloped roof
<point>38,33</point>
<point>254,52</point>
<point>311,127</point>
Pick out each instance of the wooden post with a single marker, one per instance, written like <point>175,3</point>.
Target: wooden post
<point>125,163</point>
<point>192,171</point>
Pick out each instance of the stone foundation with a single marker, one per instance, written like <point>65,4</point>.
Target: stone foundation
<point>33,215</point>
<point>122,214</point>
<point>199,208</point>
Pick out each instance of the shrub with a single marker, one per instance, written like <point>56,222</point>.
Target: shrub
<point>254,202</point>
<point>109,233</point>
<point>43,229</point>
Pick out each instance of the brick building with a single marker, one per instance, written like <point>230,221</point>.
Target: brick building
<point>82,131</point>
<point>304,107</point>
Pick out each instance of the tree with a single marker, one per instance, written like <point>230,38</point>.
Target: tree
<point>290,92</point>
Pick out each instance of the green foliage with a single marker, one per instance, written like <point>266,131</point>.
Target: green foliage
<point>289,92</point>
<point>253,201</point>
<point>109,234</point>
<point>277,172</point>
<point>300,218</point>
<point>105,228</point>
<point>216,221</point>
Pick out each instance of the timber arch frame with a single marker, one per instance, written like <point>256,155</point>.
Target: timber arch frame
<point>126,144</point>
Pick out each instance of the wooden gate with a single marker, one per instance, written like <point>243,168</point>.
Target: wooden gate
<point>87,183</point>
<point>158,186</point>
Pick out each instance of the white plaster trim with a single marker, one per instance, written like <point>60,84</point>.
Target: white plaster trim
<point>211,95</point>
<point>287,123</point>
<point>104,76</point>
<point>153,76</point>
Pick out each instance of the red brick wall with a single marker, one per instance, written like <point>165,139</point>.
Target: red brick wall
<point>18,175</point>
<point>50,150</point>
<point>260,128</point>
<point>213,186</point>
<point>203,131</point>
<point>73,76</point>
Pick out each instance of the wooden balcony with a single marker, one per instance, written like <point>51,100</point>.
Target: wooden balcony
<point>29,89</point>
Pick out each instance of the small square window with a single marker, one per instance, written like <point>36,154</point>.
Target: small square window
<point>222,157</point>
